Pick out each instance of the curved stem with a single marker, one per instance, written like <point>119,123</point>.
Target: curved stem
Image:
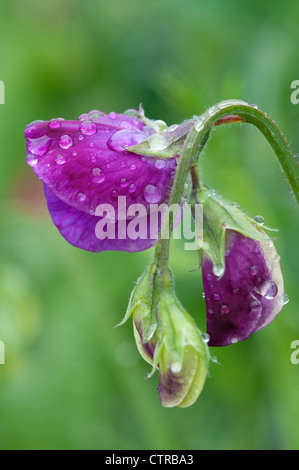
<point>223,113</point>
<point>239,111</point>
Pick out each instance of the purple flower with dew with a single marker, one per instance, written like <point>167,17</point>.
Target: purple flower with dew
<point>249,294</point>
<point>84,164</point>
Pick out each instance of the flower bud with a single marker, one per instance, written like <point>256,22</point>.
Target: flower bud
<point>168,338</point>
<point>242,279</point>
<point>183,355</point>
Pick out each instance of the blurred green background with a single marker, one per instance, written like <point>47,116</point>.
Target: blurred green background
<point>71,380</point>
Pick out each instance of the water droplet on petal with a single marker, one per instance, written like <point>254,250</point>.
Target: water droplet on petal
<point>216,296</point>
<point>209,277</point>
<point>123,183</point>
<point>234,340</point>
<point>88,128</point>
<point>259,219</point>
<point>176,367</point>
<point>120,140</point>
<point>60,160</point>
<point>32,160</point>
<point>54,124</point>
<point>253,270</point>
<point>160,164</point>
<point>113,115</point>
<point>65,142</point>
<point>74,153</point>
<point>286,299</point>
<point>224,309</point>
<point>98,176</point>
<point>125,125</point>
<point>269,290</point>
<point>39,146</point>
<point>133,166</point>
<point>81,197</point>
<point>132,188</point>
<point>152,194</point>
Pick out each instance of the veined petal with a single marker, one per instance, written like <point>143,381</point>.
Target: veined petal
<point>90,157</point>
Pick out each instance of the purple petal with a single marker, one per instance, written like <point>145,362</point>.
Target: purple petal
<point>88,157</point>
<point>250,293</point>
<point>79,228</point>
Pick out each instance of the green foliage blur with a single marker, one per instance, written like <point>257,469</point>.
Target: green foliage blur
<point>71,380</point>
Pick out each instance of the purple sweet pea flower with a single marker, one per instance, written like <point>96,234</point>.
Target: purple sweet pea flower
<point>84,164</point>
<point>249,294</point>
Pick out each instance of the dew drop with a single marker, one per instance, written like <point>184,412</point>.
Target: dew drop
<point>65,142</point>
<point>32,160</point>
<point>98,176</point>
<point>39,146</point>
<point>253,270</point>
<point>54,124</point>
<point>133,166</point>
<point>125,125</point>
<point>132,188</point>
<point>113,115</point>
<point>215,360</point>
<point>83,117</point>
<point>123,139</point>
<point>160,164</point>
<point>224,309</point>
<point>218,269</point>
<point>286,299</point>
<point>209,277</point>
<point>176,367</point>
<point>234,340</point>
<point>123,183</point>
<point>60,160</point>
<point>210,312</point>
<point>259,219</point>
<point>152,194</point>
<point>74,153</point>
<point>216,296</point>
<point>270,290</point>
<point>88,128</point>
<point>81,197</point>
<point>205,337</point>
<point>173,128</point>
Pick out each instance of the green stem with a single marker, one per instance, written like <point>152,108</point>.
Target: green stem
<point>222,113</point>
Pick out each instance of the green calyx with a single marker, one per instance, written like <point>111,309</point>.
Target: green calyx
<point>218,216</point>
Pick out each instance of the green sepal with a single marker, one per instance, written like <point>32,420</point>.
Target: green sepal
<point>167,142</point>
<point>219,216</point>
<point>141,303</point>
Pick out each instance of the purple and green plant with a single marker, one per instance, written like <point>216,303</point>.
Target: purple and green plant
<point>101,158</point>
